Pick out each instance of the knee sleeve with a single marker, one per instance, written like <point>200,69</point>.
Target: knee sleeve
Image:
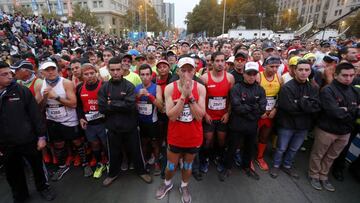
<point>170,166</point>
<point>188,166</point>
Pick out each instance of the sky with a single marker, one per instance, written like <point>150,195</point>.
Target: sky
<point>182,7</point>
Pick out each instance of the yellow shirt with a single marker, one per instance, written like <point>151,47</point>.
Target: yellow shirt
<point>272,88</point>
<point>133,78</point>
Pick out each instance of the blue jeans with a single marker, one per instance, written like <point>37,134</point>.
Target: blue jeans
<point>289,142</point>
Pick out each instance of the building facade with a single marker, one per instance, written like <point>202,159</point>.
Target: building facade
<point>110,13</point>
<point>169,11</point>
<point>321,12</point>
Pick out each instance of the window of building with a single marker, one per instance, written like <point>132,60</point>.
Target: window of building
<point>85,4</point>
<point>95,5</point>
<point>336,12</point>
<point>338,2</point>
<point>101,4</point>
<point>340,11</point>
<point>255,34</point>
<point>113,21</point>
<point>240,34</point>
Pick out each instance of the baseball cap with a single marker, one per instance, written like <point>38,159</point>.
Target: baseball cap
<point>140,56</point>
<point>251,66</point>
<point>309,55</point>
<point>240,55</point>
<point>22,64</point>
<point>231,59</point>
<point>268,45</point>
<point>186,60</point>
<point>47,64</point>
<point>184,42</point>
<point>330,59</point>
<point>325,44</point>
<point>133,52</point>
<point>294,60</point>
<point>162,61</point>
<point>272,60</point>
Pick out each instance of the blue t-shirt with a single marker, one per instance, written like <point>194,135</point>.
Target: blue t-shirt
<point>146,109</point>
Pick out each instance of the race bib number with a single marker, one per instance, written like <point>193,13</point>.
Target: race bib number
<point>56,111</point>
<point>93,115</point>
<point>185,115</point>
<point>217,103</point>
<point>271,101</point>
<point>145,109</point>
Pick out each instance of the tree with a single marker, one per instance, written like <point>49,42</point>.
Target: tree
<point>83,14</point>
<point>208,15</point>
<point>289,20</point>
<point>135,18</point>
<point>48,15</point>
<point>23,10</point>
<point>354,24</point>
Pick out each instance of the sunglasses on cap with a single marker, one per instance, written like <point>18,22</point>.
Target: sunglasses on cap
<point>240,60</point>
<point>272,60</point>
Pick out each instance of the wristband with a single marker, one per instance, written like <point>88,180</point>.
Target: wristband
<point>152,98</point>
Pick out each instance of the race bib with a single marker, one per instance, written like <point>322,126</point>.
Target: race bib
<point>145,109</point>
<point>271,101</point>
<point>185,115</point>
<point>217,103</point>
<point>56,111</point>
<point>93,115</point>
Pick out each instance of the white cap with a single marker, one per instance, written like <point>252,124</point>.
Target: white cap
<point>186,60</point>
<point>251,66</point>
<point>231,59</point>
<point>47,64</point>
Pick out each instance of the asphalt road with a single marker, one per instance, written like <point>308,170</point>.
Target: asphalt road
<point>237,188</point>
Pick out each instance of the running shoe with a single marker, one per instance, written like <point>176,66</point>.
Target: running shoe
<point>251,173</point>
<point>262,164</point>
<point>124,166</point>
<point>163,190</point>
<point>60,173</point>
<point>99,170</point>
<point>237,158</point>
<point>204,167</point>
<point>315,183</point>
<point>327,185</point>
<point>157,169</point>
<point>88,171</point>
<point>185,194</point>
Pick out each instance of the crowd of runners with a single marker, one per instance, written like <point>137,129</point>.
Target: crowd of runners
<point>72,96</point>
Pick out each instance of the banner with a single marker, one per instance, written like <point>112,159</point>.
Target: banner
<point>59,8</point>
<point>48,5</point>
<point>34,5</point>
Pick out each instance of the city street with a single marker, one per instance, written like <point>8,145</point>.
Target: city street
<point>238,188</point>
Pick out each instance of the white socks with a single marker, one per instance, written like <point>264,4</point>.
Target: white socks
<point>167,182</point>
<point>183,184</point>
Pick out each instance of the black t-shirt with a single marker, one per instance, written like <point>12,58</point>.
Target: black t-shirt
<point>237,76</point>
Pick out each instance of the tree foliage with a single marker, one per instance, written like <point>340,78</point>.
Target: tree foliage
<point>84,15</point>
<point>23,10</point>
<point>354,24</point>
<point>289,20</point>
<point>135,18</point>
<point>208,15</point>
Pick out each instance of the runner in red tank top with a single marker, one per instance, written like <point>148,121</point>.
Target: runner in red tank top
<point>91,120</point>
<point>185,107</point>
<point>218,84</point>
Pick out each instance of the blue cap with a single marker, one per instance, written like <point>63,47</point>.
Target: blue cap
<point>133,52</point>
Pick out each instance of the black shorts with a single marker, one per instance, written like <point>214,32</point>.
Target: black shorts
<point>215,126</point>
<point>59,132</point>
<point>183,150</point>
<point>150,130</point>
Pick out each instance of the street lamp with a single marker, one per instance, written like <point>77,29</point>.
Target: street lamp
<point>223,25</point>
<point>289,10</point>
